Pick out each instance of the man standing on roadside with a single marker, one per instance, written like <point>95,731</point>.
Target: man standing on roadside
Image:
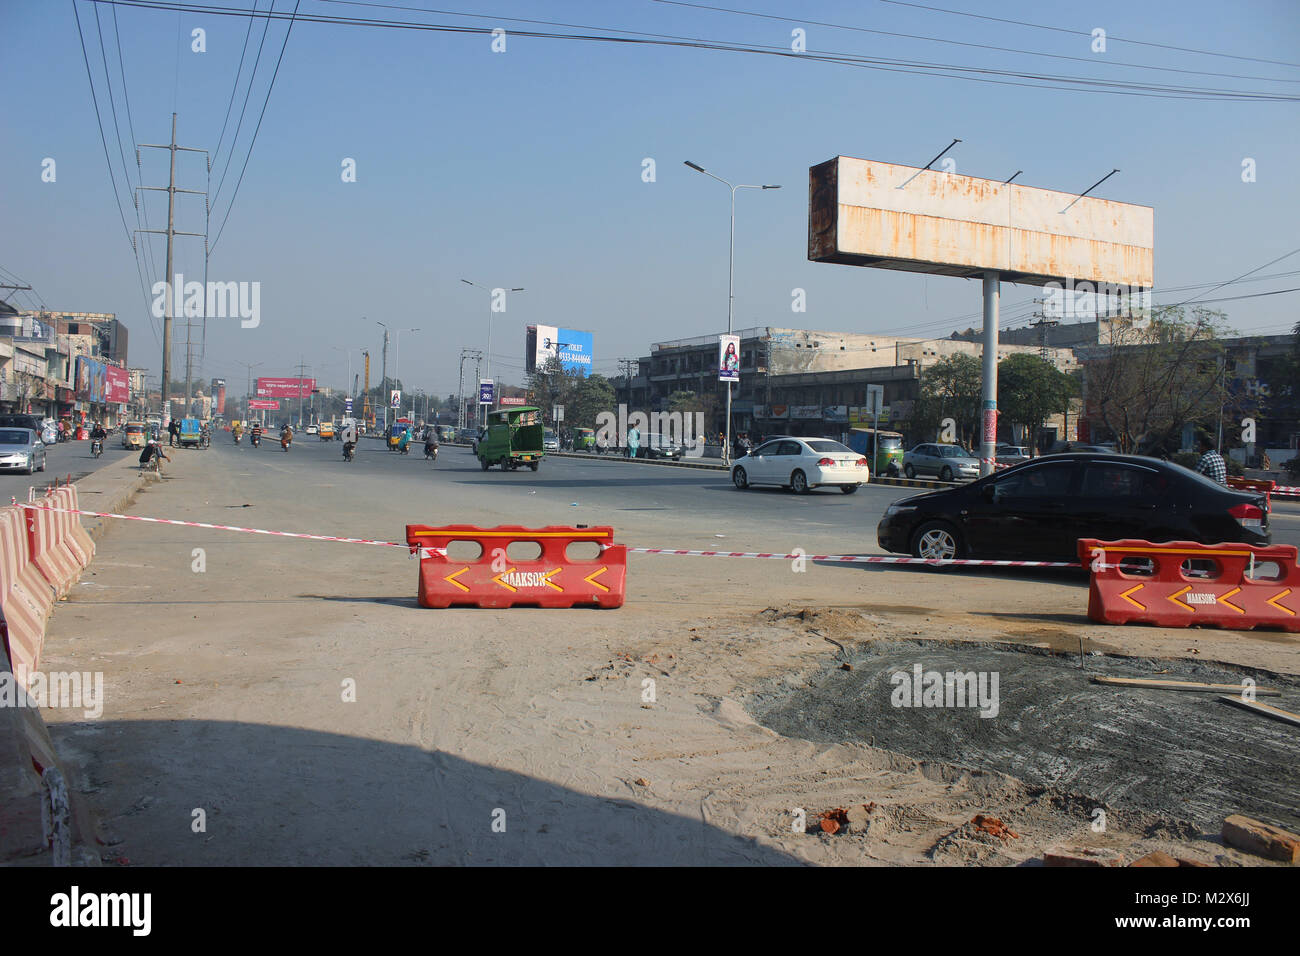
<point>173,431</point>
<point>1211,464</point>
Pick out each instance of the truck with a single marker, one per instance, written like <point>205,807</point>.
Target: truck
<point>514,438</point>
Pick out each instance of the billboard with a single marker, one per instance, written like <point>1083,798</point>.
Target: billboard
<point>285,387</point>
<point>485,392</point>
<point>572,347</point>
<point>90,380</point>
<point>867,213</point>
<point>728,358</point>
<point>117,384</point>
<point>270,405</point>
<point>26,328</point>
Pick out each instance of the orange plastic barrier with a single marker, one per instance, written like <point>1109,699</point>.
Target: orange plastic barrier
<point>49,548</point>
<point>493,580</point>
<point>25,597</point>
<point>1255,484</point>
<point>1187,584</point>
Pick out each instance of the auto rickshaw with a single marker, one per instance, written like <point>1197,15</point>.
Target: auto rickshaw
<point>883,449</point>
<point>191,433</point>
<point>584,439</point>
<point>397,430</point>
<point>514,438</point>
<point>326,431</point>
<point>134,435</point>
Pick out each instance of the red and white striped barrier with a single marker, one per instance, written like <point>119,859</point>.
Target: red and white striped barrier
<point>840,558</point>
<point>1286,491</point>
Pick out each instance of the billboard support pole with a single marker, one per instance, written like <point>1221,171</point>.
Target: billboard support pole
<point>989,420</point>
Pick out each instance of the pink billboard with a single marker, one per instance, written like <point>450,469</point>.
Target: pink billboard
<point>285,387</point>
<point>261,403</point>
<point>117,385</point>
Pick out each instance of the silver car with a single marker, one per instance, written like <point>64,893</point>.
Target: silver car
<point>21,449</point>
<point>946,462</point>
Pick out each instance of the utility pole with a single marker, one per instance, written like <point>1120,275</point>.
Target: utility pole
<point>170,232</point>
<point>301,369</point>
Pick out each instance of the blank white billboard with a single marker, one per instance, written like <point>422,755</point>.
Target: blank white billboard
<point>887,216</point>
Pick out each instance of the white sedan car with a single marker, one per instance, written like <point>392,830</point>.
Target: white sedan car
<point>801,464</point>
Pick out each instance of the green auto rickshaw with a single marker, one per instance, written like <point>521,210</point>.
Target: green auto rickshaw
<point>514,438</point>
<point>584,439</point>
<point>882,449</point>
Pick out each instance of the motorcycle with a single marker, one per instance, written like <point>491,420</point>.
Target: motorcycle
<point>256,439</point>
<point>285,442</point>
<point>238,435</point>
<point>97,447</point>
<point>349,450</point>
<point>430,452</point>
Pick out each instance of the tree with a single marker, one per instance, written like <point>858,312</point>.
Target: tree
<point>950,388</point>
<point>1031,390</point>
<point>591,396</point>
<point>1153,379</point>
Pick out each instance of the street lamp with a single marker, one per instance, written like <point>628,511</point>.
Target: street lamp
<point>731,285</point>
<point>249,394</point>
<point>488,356</point>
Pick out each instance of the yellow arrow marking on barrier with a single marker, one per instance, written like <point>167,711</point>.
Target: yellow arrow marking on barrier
<point>547,579</point>
<point>1277,597</point>
<point>498,580</point>
<point>1125,596</point>
<point>1177,594</point>
<point>596,574</point>
<point>1223,599</point>
<point>452,578</point>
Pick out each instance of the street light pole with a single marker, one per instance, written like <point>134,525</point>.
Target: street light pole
<point>495,391</point>
<point>731,280</point>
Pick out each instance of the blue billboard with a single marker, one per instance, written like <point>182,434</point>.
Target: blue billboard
<point>571,346</point>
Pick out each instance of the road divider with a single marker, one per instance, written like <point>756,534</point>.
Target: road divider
<point>1186,584</point>
<point>554,578</point>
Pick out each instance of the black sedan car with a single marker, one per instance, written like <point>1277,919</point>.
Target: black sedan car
<point>1039,510</point>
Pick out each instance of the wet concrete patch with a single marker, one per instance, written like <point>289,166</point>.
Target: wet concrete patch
<point>1187,755</point>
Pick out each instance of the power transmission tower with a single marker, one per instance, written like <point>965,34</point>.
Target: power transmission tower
<point>477,355</point>
<point>171,232</point>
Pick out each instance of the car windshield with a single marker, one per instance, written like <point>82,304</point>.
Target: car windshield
<point>824,446</point>
<point>953,451</point>
<point>888,443</point>
<point>14,436</point>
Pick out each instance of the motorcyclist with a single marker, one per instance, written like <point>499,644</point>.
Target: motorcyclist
<point>239,431</point>
<point>431,443</point>
<point>286,437</point>
<point>97,436</point>
<point>255,435</point>
<point>349,439</point>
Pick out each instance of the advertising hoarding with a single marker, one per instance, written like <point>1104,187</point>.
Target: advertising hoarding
<point>886,216</point>
<point>265,404</point>
<point>572,346</point>
<point>485,392</point>
<point>117,384</point>
<point>90,380</point>
<point>284,387</point>
<point>728,358</point>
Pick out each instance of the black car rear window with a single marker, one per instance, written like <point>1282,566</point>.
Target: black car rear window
<point>1106,479</point>
<point>1045,481</point>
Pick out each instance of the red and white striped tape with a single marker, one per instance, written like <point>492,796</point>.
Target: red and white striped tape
<point>425,552</point>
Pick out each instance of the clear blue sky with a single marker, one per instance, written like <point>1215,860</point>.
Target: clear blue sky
<point>524,168</point>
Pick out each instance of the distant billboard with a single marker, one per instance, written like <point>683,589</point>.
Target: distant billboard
<point>867,213</point>
<point>117,384</point>
<point>91,380</point>
<point>25,328</point>
<point>571,346</point>
<point>285,387</point>
<point>269,405</point>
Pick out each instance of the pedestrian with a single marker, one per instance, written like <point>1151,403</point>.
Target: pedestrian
<point>633,442</point>
<point>173,431</point>
<point>1211,464</point>
<point>1264,463</point>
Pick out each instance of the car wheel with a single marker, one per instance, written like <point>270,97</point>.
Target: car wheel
<point>740,479</point>
<point>936,541</point>
<point>42,463</point>
<point>535,465</point>
<point>909,470</point>
<point>849,489</point>
<point>799,483</point>
<point>946,474</point>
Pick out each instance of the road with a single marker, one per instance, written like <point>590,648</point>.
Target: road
<point>294,692</point>
<point>61,460</point>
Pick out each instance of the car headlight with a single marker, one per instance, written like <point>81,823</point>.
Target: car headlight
<point>898,510</point>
